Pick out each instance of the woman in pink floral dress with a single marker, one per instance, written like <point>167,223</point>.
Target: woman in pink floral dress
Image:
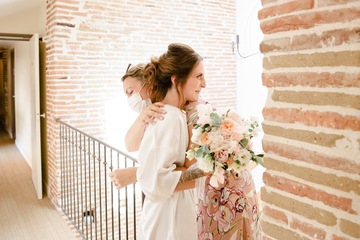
<point>229,211</point>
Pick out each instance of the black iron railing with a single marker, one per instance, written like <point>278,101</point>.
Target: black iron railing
<point>88,197</point>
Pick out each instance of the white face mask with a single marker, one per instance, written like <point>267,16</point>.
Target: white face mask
<point>136,103</point>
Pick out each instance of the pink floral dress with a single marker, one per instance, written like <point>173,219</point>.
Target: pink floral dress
<point>230,211</point>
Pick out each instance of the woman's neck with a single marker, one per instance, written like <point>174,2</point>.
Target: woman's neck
<point>172,98</point>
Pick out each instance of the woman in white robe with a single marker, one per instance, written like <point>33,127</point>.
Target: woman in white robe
<point>166,214</point>
<point>176,77</point>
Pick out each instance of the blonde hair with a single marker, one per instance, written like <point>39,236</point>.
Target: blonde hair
<point>135,71</point>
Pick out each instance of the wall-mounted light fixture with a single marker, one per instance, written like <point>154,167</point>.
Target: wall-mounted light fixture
<point>236,49</point>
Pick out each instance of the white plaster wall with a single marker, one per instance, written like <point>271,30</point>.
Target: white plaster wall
<point>119,118</point>
<point>252,94</point>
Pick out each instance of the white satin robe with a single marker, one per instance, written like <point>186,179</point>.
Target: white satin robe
<point>166,215</point>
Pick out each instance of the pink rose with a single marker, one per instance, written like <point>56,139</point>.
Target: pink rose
<point>221,156</point>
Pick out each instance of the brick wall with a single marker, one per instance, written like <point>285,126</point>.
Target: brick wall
<point>90,43</point>
<point>311,67</point>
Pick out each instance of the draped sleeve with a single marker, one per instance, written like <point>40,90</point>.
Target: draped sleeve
<point>162,149</point>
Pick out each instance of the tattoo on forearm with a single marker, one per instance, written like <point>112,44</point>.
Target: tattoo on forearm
<point>191,174</point>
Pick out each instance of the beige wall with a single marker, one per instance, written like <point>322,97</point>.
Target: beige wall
<point>311,68</point>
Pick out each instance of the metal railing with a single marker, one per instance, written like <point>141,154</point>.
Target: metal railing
<point>88,197</point>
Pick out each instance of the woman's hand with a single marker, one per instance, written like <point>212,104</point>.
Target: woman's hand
<point>123,177</point>
<point>148,116</point>
<point>153,112</point>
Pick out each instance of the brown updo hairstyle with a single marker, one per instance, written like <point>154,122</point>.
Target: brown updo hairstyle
<point>178,61</point>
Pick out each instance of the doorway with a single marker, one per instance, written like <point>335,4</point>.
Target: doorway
<point>7,94</point>
<point>23,99</point>
<point>12,115</point>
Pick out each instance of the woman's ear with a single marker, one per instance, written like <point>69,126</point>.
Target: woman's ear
<point>173,80</point>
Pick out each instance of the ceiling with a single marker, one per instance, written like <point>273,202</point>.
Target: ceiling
<point>9,7</point>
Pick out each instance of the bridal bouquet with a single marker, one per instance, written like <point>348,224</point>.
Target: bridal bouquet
<point>222,141</point>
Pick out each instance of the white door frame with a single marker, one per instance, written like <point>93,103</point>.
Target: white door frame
<point>36,123</point>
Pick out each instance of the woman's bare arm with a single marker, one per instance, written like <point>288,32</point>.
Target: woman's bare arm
<point>191,171</point>
<point>148,116</point>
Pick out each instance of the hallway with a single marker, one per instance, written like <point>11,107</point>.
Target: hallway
<point>22,215</point>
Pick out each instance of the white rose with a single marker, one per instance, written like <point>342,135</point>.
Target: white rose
<point>205,164</point>
<point>204,111</point>
<point>196,133</point>
<point>244,156</point>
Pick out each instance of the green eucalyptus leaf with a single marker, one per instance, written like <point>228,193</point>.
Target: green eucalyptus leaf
<point>199,153</point>
<point>216,120</point>
<point>244,142</point>
<point>205,149</point>
<point>207,128</point>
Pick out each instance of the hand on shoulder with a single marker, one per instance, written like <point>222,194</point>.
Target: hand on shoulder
<point>152,113</point>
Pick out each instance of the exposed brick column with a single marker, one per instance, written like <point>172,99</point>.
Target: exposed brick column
<point>311,67</point>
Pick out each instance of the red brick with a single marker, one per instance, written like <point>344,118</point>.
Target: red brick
<point>275,214</point>
<point>288,7</point>
<point>303,190</point>
<point>308,20</point>
<point>312,118</point>
<point>335,237</point>
<point>311,79</point>
<point>312,156</point>
<point>322,3</point>
<point>329,38</point>
<point>308,229</point>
